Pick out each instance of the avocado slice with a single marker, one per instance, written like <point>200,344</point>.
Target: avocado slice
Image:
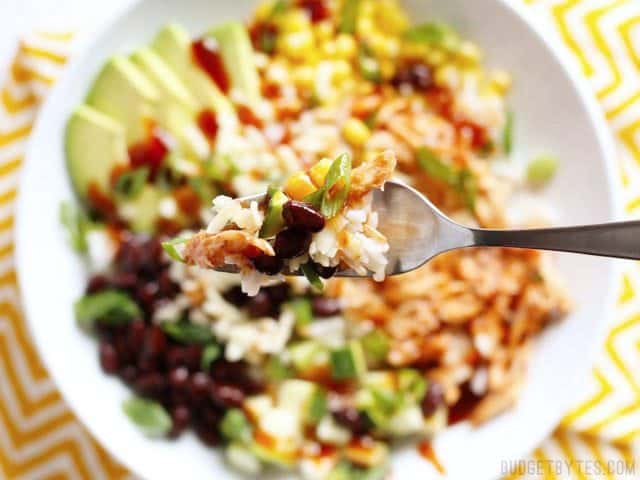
<point>238,57</point>
<point>173,44</point>
<point>94,144</point>
<point>124,93</point>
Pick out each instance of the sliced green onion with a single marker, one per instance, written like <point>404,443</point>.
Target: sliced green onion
<point>436,168</point>
<point>315,198</point>
<point>235,425</point>
<point>376,345</point>
<point>186,332</point>
<point>349,16</point>
<point>468,188</point>
<point>172,251</point>
<point>111,307</point>
<point>432,33</point>
<point>149,416</point>
<point>76,222</point>
<point>301,308</point>
<point>369,65</point>
<point>131,183</point>
<point>318,406</point>
<point>542,169</point>
<point>205,191</point>
<point>340,171</point>
<point>507,134</point>
<point>411,382</point>
<point>312,276</point>
<point>210,353</point>
<point>276,370</point>
<point>348,362</point>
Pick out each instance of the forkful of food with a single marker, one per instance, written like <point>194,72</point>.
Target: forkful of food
<point>335,220</point>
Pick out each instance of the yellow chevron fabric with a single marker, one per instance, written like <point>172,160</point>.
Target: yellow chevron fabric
<point>41,439</point>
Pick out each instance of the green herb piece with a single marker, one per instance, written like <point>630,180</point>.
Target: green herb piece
<point>149,416</point>
<point>203,188</point>
<point>111,307</point>
<point>436,168</point>
<point>276,370</point>
<point>221,168</point>
<point>468,188</point>
<point>130,184</point>
<point>433,33</point>
<point>279,7</point>
<point>312,276</point>
<point>376,345</point>
<point>317,406</point>
<point>308,355</point>
<point>301,308</point>
<point>76,222</point>
<point>542,169</point>
<point>186,332</point>
<point>348,362</point>
<point>340,171</point>
<point>349,16</point>
<point>210,353</point>
<point>273,221</point>
<point>412,383</point>
<point>172,251</point>
<point>507,134</point>
<point>236,426</point>
<point>369,65</point>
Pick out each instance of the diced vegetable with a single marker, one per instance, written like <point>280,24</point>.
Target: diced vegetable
<point>171,248</point>
<point>432,33</point>
<point>348,362</point>
<point>507,134</point>
<point>349,16</point>
<point>241,458</point>
<point>76,222</point>
<point>304,398</point>
<point>186,332</point>
<point>149,416</point>
<point>129,184</point>
<point>299,186</point>
<point>375,345</point>
<point>210,353</point>
<point>301,308</point>
<point>308,356</point>
<point>460,179</point>
<point>412,383</point>
<point>369,65</point>
<point>236,426</point>
<point>273,221</point>
<point>542,169</point>
<point>312,276</point>
<point>468,188</point>
<point>111,307</point>
<point>276,370</point>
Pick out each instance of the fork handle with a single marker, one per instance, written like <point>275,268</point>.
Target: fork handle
<point>619,239</point>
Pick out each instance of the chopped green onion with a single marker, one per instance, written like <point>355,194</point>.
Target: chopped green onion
<point>279,7</point>
<point>542,169</point>
<point>436,168</point>
<point>301,308</point>
<point>111,307</point>
<point>131,183</point>
<point>172,251</point>
<point>312,276</point>
<point>186,332</point>
<point>468,188</point>
<point>349,16</point>
<point>507,134</point>
<point>74,219</point>
<point>411,382</point>
<point>376,345</point>
<point>315,198</point>
<point>348,362</point>
<point>432,33</point>
<point>210,353</point>
<point>235,425</point>
<point>318,406</point>
<point>221,168</point>
<point>276,370</point>
<point>273,221</point>
<point>340,171</point>
<point>369,65</point>
<point>149,416</point>
<point>205,191</point>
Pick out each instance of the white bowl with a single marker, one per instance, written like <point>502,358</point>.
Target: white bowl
<point>554,113</point>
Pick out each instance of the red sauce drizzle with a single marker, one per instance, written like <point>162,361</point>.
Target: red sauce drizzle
<point>426,451</point>
<point>207,56</point>
<point>149,153</point>
<point>318,10</point>
<point>208,123</point>
<point>463,408</point>
<point>246,116</point>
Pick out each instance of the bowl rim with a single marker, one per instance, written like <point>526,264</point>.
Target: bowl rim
<point>543,32</point>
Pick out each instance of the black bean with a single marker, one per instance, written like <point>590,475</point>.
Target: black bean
<point>278,293</point>
<point>151,384</point>
<point>97,283</point>
<point>226,395</point>
<point>236,296</point>
<point>199,386</point>
<point>302,215</point>
<point>128,374</point>
<point>135,336</point>
<point>292,242</point>
<point>108,357</point>
<point>325,306</point>
<point>181,418</point>
<point>267,264</point>
<point>155,341</point>
<point>208,435</point>
<point>179,377</point>
<point>421,76</point>
<point>358,423</point>
<point>433,398</point>
<point>260,305</point>
<point>325,272</point>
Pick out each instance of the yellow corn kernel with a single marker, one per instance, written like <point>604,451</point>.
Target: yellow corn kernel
<point>387,69</point>
<point>383,46</point>
<point>323,31</point>
<point>346,46</point>
<point>390,17</point>
<point>469,52</point>
<point>446,76</point>
<point>296,45</point>
<point>294,20</point>
<point>319,171</point>
<point>341,71</point>
<point>328,48</point>
<point>304,76</point>
<point>436,57</point>
<point>264,9</point>
<point>365,27</point>
<point>413,50</point>
<point>501,81</point>
<point>356,132</point>
<point>298,186</point>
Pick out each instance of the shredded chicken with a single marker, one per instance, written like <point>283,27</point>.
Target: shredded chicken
<point>372,173</point>
<point>230,247</point>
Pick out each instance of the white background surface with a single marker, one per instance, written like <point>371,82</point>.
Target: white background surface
<point>18,17</point>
